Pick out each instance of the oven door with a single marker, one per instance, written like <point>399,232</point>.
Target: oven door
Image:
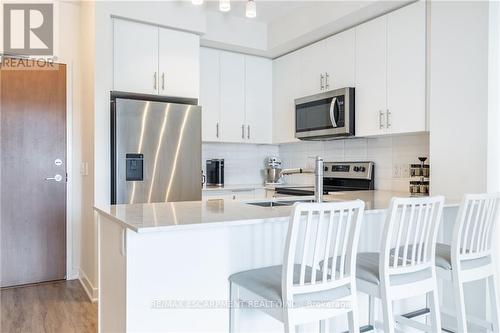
<point>325,115</point>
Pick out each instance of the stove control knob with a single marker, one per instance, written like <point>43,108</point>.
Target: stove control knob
<point>362,169</point>
<point>356,169</point>
<point>326,168</point>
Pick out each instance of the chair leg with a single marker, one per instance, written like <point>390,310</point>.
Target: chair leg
<point>388,313</point>
<point>435,311</point>
<point>371,312</point>
<point>495,311</point>
<point>323,326</point>
<point>458,290</point>
<point>352,318</point>
<point>233,297</point>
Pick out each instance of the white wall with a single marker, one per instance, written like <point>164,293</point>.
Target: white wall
<point>88,271</point>
<point>67,51</point>
<point>386,152</point>
<point>235,34</point>
<point>458,96</point>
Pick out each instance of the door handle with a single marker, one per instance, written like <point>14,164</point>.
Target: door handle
<point>243,131</point>
<point>154,84</point>
<point>57,177</point>
<point>248,132</point>
<point>327,85</point>
<point>163,81</point>
<point>380,115</point>
<point>217,130</point>
<point>321,78</point>
<point>387,121</point>
<point>332,109</point>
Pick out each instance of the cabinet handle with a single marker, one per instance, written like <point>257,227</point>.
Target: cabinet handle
<point>154,84</point>
<point>162,81</point>
<point>380,115</point>
<point>217,130</point>
<point>243,131</point>
<point>248,132</point>
<point>387,119</point>
<point>327,86</point>
<point>321,78</point>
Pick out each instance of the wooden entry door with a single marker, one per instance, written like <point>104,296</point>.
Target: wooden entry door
<point>33,154</point>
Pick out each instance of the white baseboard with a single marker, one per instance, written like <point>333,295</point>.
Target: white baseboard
<point>91,291</point>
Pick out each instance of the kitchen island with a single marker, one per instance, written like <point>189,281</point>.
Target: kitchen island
<point>164,266</point>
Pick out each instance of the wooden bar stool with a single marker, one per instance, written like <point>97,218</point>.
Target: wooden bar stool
<point>404,268</point>
<point>298,292</point>
<point>469,258</point>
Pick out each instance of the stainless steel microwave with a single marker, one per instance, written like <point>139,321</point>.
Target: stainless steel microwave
<point>325,116</point>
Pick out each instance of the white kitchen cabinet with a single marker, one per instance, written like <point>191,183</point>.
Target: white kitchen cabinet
<point>390,73</point>
<point>371,77</point>
<point>178,63</point>
<point>312,69</point>
<point>340,60</point>
<point>236,97</point>
<point>210,94</point>
<point>153,60</point>
<point>258,99</point>
<point>135,57</point>
<point>232,96</point>
<point>406,54</point>
<point>286,87</point>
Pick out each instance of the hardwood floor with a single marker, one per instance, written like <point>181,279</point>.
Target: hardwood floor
<point>49,307</point>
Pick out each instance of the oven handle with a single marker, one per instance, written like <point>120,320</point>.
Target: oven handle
<point>332,108</point>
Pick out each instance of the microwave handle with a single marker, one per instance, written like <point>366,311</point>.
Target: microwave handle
<point>332,115</point>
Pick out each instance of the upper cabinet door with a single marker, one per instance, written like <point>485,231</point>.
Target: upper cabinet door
<point>232,96</point>
<point>258,99</point>
<point>340,64</point>
<point>371,76</point>
<point>135,65</point>
<point>209,94</point>
<point>178,63</point>
<point>406,53</point>
<point>286,87</point>
<point>312,69</point>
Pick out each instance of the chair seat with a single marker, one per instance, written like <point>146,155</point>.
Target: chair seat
<point>367,269</point>
<point>266,283</point>
<point>443,259</point>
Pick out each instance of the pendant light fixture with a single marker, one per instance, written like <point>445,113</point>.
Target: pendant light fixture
<point>251,9</point>
<point>224,5</point>
<point>197,2</point>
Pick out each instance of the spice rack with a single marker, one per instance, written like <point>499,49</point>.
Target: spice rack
<point>419,185</point>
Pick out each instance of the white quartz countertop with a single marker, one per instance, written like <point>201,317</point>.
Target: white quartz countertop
<point>216,212</point>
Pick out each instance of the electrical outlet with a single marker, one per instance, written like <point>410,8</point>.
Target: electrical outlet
<point>405,170</point>
<point>396,171</point>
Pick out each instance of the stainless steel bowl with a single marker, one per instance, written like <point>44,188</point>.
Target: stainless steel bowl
<point>273,175</point>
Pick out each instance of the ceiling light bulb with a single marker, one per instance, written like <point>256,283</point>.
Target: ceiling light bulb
<point>197,2</point>
<point>224,5</point>
<point>251,9</point>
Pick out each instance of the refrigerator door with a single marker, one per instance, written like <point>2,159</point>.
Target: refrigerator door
<point>157,152</point>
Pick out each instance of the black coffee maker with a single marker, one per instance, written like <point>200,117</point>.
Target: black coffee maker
<point>215,172</point>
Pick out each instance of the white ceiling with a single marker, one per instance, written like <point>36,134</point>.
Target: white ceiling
<point>267,10</point>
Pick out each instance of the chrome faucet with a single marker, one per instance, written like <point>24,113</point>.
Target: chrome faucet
<point>318,177</point>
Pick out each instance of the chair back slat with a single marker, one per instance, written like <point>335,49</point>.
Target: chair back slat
<point>398,239</point>
<point>472,233</point>
<point>304,249</point>
<point>410,234</point>
<point>316,232</point>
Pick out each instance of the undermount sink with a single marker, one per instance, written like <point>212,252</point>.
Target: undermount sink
<point>277,203</point>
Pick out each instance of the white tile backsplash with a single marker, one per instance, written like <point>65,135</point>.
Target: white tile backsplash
<point>386,152</point>
<point>244,163</point>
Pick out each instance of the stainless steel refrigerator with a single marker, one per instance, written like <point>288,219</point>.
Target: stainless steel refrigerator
<point>155,149</point>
